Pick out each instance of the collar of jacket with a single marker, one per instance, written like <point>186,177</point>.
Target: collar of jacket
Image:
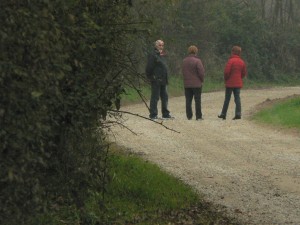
<point>235,56</point>
<point>193,55</point>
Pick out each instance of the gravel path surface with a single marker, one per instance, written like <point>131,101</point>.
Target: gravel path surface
<point>250,171</point>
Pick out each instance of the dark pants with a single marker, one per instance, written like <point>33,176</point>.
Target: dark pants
<point>237,100</point>
<point>191,93</point>
<point>158,90</point>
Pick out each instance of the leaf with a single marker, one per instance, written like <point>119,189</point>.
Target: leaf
<point>36,94</point>
<point>10,174</point>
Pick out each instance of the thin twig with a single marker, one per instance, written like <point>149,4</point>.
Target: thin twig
<point>120,124</point>
<point>135,114</point>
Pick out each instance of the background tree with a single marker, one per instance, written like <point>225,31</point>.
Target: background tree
<point>266,30</point>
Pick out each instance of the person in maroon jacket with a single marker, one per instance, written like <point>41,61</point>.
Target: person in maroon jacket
<point>193,78</point>
<point>235,71</point>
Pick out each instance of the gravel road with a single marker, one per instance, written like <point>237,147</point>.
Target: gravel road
<point>250,171</point>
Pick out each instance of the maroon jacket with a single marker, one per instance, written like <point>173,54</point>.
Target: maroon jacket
<point>193,72</point>
<point>235,71</point>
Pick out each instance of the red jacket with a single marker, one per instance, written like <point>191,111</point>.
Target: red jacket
<point>192,71</point>
<point>235,71</point>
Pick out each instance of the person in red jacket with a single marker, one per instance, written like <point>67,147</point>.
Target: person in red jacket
<point>235,71</point>
<point>193,78</point>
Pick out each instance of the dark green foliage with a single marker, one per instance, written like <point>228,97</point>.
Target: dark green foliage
<point>62,66</point>
<point>270,44</point>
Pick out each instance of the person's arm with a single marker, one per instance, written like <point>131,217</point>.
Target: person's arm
<point>150,67</point>
<point>201,71</point>
<point>227,70</point>
<point>244,71</point>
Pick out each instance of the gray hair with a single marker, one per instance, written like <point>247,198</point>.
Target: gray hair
<point>158,42</point>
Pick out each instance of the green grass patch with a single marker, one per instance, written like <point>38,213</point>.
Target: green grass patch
<point>140,190</point>
<point>284,114</point>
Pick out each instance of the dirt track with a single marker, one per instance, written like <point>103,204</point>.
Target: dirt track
<point>251,171</point>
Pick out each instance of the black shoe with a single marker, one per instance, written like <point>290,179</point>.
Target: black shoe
<point>237,118</point>
<point>222,117</point>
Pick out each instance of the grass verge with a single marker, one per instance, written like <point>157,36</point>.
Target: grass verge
<point>283,114</point>
<point>141,193</point>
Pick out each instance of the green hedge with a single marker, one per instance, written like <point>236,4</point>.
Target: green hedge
<point>59,75</point>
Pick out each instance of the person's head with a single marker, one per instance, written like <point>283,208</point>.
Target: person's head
<point>193,50</point>
<point>236,50</point>
<point>159,44</point>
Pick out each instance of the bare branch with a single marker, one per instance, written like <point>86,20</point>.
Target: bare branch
<point>135,114</point>
<point>141,96</point>
<point>108,124</point>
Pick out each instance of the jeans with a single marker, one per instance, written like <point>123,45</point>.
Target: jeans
<point>237,100</point>
<point>191,93</point>
<point>158,90</point>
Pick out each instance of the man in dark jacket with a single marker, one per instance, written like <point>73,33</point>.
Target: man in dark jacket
<point>157,73</point>
<point>193,78</point>
<point>234,72</point>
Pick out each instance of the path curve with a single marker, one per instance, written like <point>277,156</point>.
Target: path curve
<point>252,171</point>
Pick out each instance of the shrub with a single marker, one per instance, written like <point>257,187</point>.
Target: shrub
<point>60,72</point>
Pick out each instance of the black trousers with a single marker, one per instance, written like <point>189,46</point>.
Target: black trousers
<point>191,93</point>
<point>237,100</point>
<point>159,91</point>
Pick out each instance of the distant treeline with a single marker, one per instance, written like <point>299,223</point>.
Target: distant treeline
<point>267,30</point>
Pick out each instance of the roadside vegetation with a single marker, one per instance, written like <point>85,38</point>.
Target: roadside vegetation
<point>141,193</point>
<point>284,113</point>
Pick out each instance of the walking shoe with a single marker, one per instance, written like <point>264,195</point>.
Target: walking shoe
<point>237,118</point>
<point>222,117</point>
<point>198,119</point>
<point>154,118</point>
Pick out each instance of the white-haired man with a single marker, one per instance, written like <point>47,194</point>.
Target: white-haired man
<point>157,73</point>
